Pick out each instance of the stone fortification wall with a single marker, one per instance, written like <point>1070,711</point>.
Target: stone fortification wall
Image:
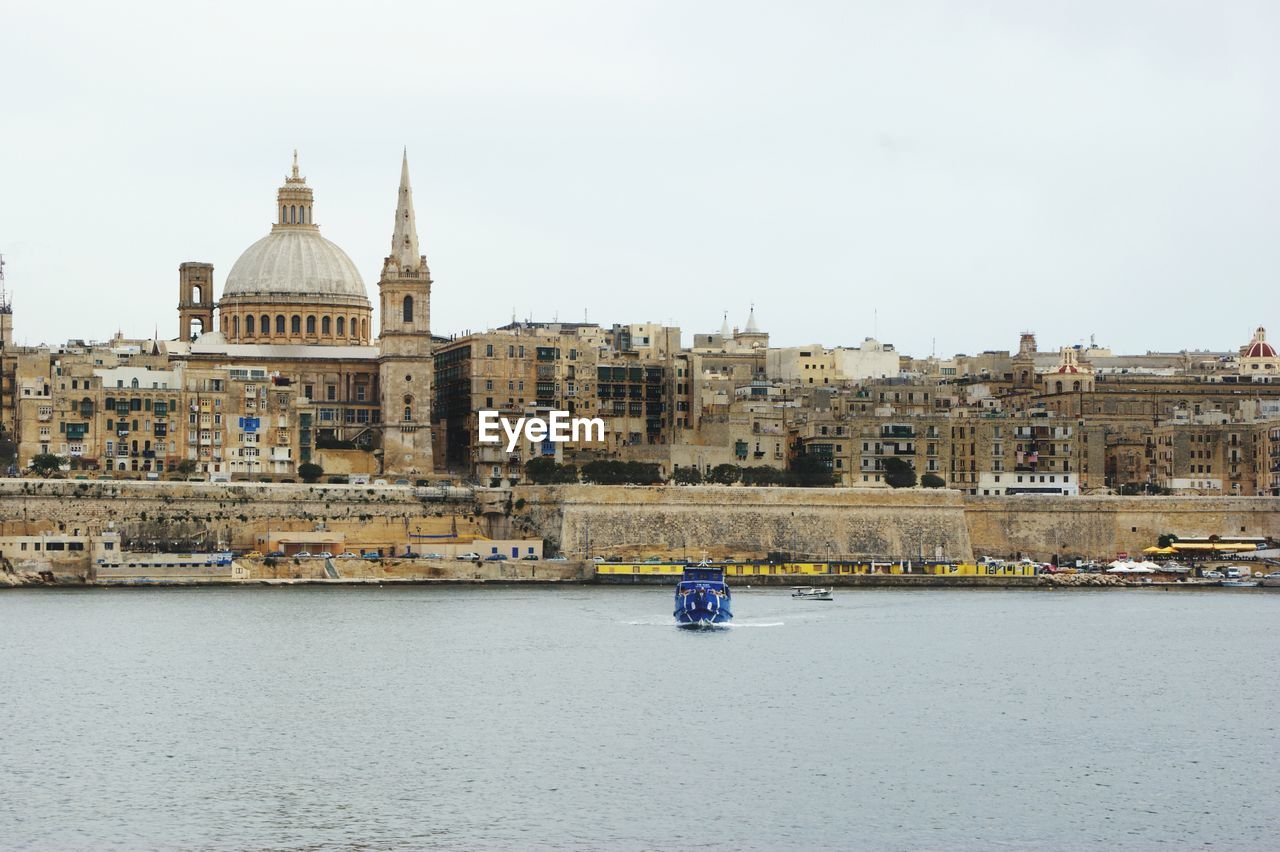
<point>1102,526</point>
<point>229,513</point>
<point>742,522</point>
<point>720,521</point>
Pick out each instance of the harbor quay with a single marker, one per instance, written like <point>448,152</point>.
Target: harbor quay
<point>56,532</point>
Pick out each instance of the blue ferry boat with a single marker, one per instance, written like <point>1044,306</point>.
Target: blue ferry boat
<point>702,597</point>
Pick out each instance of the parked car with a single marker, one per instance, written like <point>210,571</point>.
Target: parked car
<point>276,554</point>
<point>496,557</point>
<point>408,554</point>
<point>302,554</point>
<point>529,557</point>
<point>468,556</point>
<point>597,559</point>
<point>379,482</point>
<point>557,559</point>
<point>348,555</point>
<point>1213,575</point>
<point>253,554</point>
<point>402,482</point>
<point>653,559</point>
<point>371,556</point>
<point>324,554</point>
<point>433,556</point>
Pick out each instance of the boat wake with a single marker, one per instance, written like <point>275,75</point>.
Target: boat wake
<point>731,625</point>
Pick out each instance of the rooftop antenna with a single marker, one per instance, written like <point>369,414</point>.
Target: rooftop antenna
<point>5,307</point>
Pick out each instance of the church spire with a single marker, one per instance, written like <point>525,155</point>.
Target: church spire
<point>404,240</point>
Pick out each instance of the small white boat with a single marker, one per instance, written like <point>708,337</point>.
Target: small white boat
<point>811,592</point>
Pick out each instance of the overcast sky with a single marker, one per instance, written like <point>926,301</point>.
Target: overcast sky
<point>918,171</point>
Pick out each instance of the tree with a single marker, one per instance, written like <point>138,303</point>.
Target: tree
<point>541,470</point>
<point>1166,540</point>
<point>932,480</point>
<point>613,472</point>
<point>186,467</point>
<point>8,449</point>
<point>310,472</point>
<point>899,473</point>
<point>545,470</point>
<point>687,476</point>
<point>46,463</point>
<point>763,475</point>
<point>810,472</point>
<point>725,474</point>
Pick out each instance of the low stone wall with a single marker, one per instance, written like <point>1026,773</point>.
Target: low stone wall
<point>721,521</point>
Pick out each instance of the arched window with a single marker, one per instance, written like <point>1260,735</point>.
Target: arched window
<point>295,324</point>
<point>235,327</point>
<point>342,326</point>
<point>266,325</point>
<point>283,216</point>
<point>325,327</point>
<point>86,407</point>
<point>293,214</point>
<point>248,325</point>
<point>355,329</point>
<point>311,325</point>
<point>408,309</point>
<point>1059,387</point>
<point>134,383</point>
<point>197,295</point>
<point>408,408</point>
<point>364,329</point>
<point>1075,386</point>
<point>279,323</point>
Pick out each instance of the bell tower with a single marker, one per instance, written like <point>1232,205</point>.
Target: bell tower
<point>195,300</point>
<point>405,365</point>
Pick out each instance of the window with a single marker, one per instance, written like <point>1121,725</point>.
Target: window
<point>248,325</point>
<point>342,326</point>
<point>408,309</point>
<point>279,323</point>
<point>295,324</point>
<point>235,326</point>
<point>325,327</point>
<point>331,392</point>
<point>311,325</point>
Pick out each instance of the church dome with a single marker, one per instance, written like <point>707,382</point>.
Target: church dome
<point>1259,347</point>
<point>295,263</point>
<point>293,286</point>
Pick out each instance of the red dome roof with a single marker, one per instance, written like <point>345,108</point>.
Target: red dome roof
<point>1260,348</point>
